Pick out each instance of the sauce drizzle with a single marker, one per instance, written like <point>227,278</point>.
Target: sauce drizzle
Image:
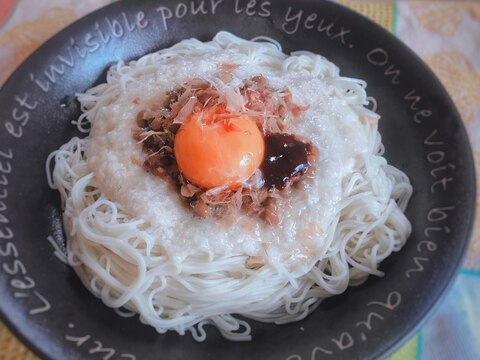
<point>286,157</point>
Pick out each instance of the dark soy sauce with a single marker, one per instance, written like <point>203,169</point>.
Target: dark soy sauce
<point>286,157</point>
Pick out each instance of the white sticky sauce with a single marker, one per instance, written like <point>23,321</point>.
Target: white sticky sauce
<point>330,124</point>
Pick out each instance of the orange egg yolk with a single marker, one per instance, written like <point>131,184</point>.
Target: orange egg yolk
<point>214,148</point>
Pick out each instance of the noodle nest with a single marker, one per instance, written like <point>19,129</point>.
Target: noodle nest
<point>120,260</point>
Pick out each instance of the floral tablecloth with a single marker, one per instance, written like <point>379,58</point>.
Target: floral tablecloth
<point>446,34</point>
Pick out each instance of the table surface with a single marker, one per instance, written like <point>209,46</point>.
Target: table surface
<point>446,35</point>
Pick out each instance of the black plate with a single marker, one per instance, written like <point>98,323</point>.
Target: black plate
<point>43,301</point>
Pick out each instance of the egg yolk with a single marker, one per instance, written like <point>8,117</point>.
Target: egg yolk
<point>214,148</point>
